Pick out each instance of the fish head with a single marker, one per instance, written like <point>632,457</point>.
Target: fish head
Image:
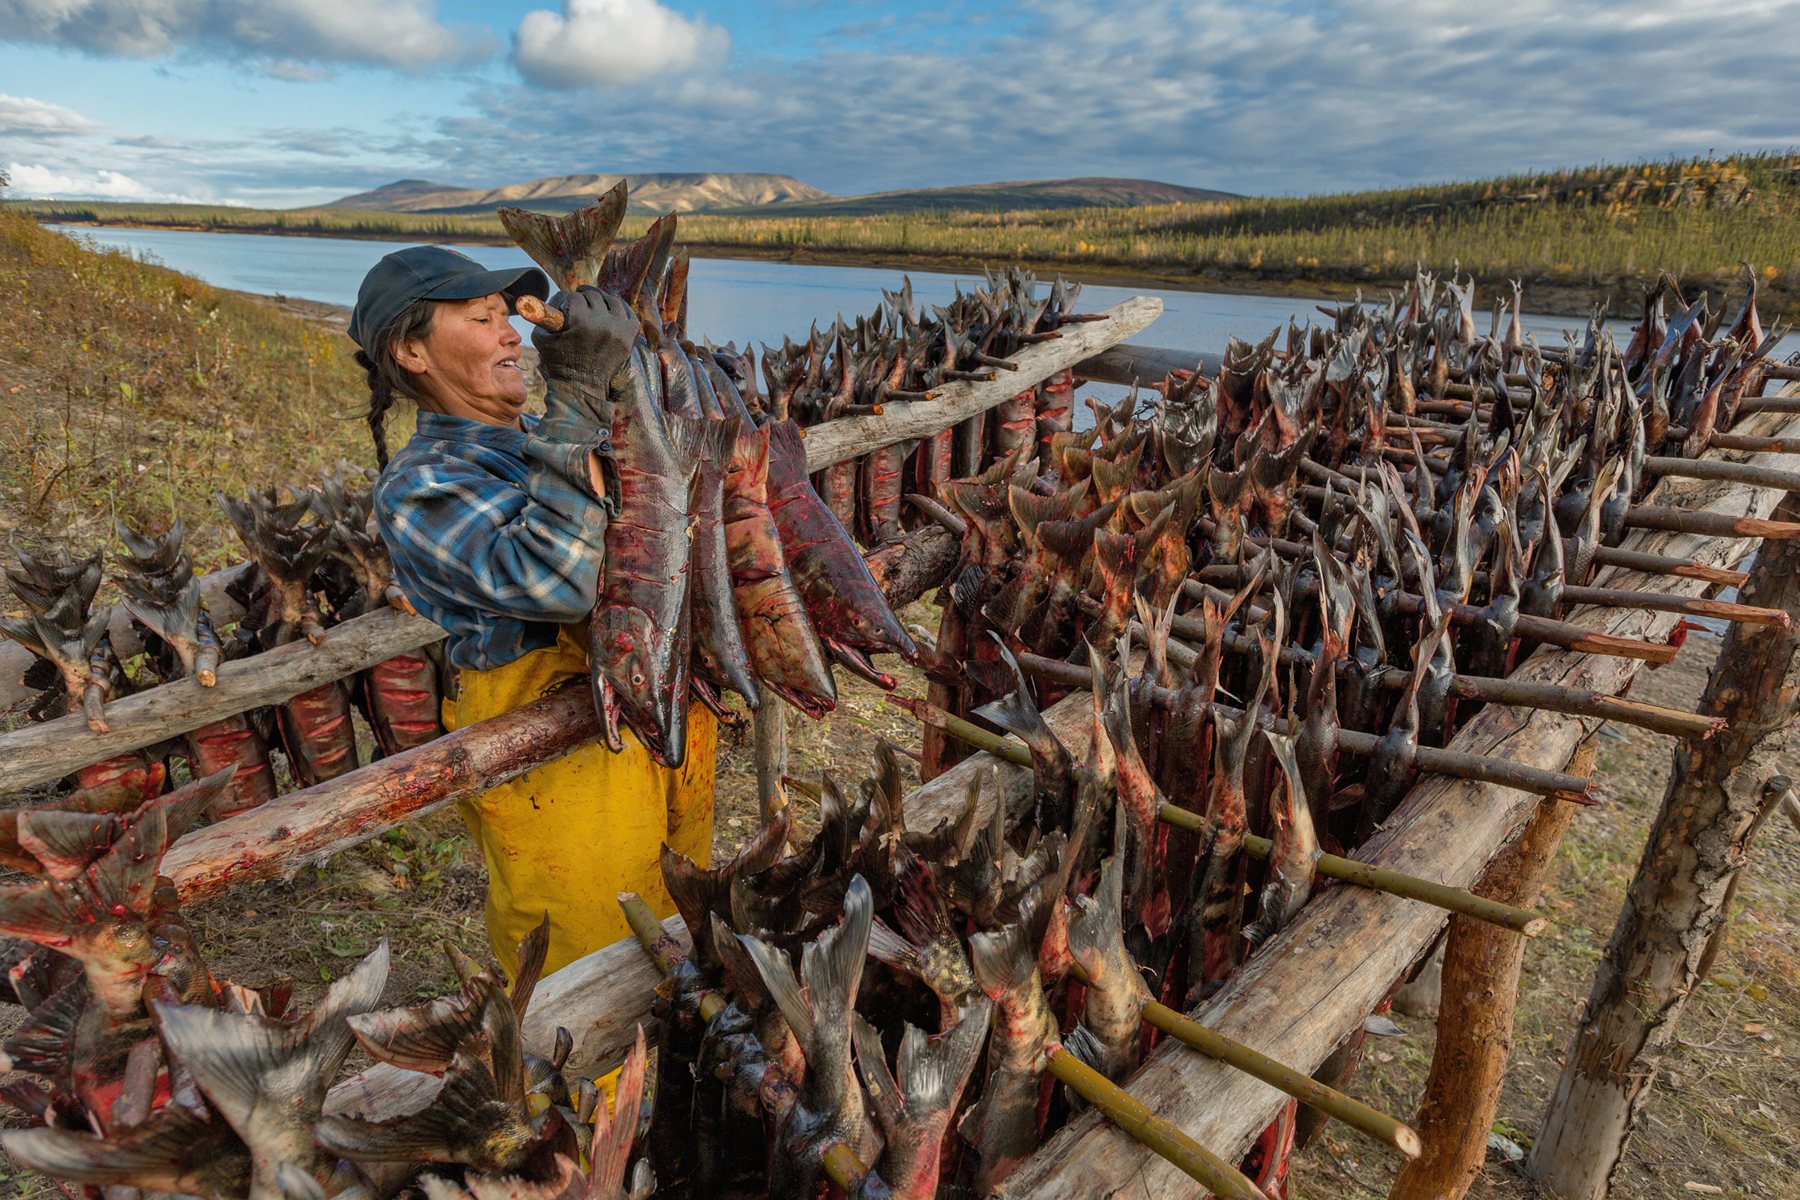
<point>637,679</point>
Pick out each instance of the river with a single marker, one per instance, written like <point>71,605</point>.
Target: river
<point>734,300</point>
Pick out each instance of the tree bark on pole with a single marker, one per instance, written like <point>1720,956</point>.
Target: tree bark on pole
<point>1480,990</point>
<point>1677,900</point>
<point>768,726</point>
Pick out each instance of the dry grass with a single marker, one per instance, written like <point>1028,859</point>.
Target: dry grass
<point>130,392</point>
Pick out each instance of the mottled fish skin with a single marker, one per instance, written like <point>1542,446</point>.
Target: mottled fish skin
<point>1003,1126</point>
<point>842,599</point>
<point>1115,993</point>
<point>640,635</point>
<point>267,1079</point>
<point>914,1104</point>
<point>831,1107</point>
<point>779,638</point>
<point>1295,855</point>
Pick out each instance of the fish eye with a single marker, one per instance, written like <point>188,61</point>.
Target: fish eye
<point>637,679</point>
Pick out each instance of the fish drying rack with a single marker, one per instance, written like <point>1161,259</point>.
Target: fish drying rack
<point>1295,1001</point>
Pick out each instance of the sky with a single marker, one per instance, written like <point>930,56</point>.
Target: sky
<point>282,103</point>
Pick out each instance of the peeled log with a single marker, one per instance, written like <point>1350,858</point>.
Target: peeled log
<point>1479,993</point>
<point>1677,900</point>
<point>309,826</point>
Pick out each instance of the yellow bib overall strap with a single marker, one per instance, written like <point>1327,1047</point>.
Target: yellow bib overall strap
<point>568,837</point>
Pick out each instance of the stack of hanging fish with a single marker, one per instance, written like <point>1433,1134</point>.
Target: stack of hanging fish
<point>1278,593</point>
<point>899,352</point>
<point>724,570</point>
<point>316,561</point>
<point>142,1070</point>
<point>1281,590</point>
<point>75,665</point>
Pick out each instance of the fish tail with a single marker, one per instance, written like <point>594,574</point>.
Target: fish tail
<point>439,1133</point>
<point>933,1071</point>
<point>1098,921</point>
<point>610,1152</point>
<point>1031,510</point>
<point>832,965</point>
<point>884,1094</point>
<point>1003,959</point>
<point>45,1043</point>
<point>147,1154</point>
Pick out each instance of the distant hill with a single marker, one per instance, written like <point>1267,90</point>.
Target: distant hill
<point>1085,192</point>
<point>654,193</point>
<point>770,195</point>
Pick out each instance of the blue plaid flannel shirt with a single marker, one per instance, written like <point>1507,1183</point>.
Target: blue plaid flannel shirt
<point>494,532</point>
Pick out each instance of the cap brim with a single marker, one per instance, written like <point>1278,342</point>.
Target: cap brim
<point>512,282</point>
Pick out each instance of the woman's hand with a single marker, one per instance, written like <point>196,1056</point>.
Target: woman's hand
<point>594,342</point>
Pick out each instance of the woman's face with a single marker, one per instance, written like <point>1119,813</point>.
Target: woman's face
<point>467,365</point>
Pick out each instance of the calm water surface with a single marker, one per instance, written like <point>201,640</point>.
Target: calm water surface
<point>731,300</point>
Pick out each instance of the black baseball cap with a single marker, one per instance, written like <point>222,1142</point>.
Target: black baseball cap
<point>431,273</point>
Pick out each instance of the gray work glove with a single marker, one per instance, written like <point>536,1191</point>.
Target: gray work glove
<point>579,361</point>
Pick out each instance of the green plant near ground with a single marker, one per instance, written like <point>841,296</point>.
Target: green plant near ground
<point>131,392</point>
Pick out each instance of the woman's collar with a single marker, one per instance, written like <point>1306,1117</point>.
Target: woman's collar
<point>445,427</point>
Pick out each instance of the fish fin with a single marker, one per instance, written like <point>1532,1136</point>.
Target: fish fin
<point>569,248</point>
<point>45,1043</point>
<point>186,804</point>
<point>65,844</point>
<point>934,1070</point>
<point>445,1131</point>
<point>740,969</point>
<point>609,1154</point>
<point>832,965</point>
<point>778,976</point>
<point>1080,1042</point>
<point>327,1027</point>
<point>1031,510</point>
<point>1002,958</point>
<point>878,1081</point>
<point>152,1155</point>
<point>35,913</point>
<point>231,1057</point>
<point>422,1038</point>
<point>1097,922</point>
<point>534,951</point>
<point>890,949</point>
<point>297,1184</point>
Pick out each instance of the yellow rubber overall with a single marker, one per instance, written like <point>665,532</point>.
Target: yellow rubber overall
<point>567,838</point>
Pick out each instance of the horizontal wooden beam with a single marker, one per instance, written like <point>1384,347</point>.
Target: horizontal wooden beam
<point>1143,365</point>
<point>307,827</point>
<point>833,442</point>
<point>39,753</point>
<point>15,659</point>
<point>1299,996</point>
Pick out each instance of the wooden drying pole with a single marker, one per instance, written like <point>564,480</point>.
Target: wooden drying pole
<point>1675,904</point>
<point>1479,994</point>
<point>1327,970</point>
<point>310,825</point>
<point>40,753</point>
<point>902,420</point>
<point>1329,866</point>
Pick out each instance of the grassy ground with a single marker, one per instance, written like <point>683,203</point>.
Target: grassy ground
<point>1573,235</point>
<point>1723,1113</point>
<point>130,392</point>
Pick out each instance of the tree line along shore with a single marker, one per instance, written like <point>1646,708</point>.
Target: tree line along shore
<point>1576,237</point>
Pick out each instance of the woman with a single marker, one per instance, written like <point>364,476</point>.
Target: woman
<point>496,523</point>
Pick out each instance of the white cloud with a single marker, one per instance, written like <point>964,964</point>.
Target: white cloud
<point>33,181</point>
<point>21,116</point>
<point>612,43</point>
<point>393,33</point>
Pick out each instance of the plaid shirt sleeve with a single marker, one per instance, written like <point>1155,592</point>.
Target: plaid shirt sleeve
<point>531,553</point>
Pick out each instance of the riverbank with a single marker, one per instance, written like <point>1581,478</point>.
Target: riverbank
<point>1548,296</point>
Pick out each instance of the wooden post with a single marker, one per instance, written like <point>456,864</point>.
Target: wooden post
<point>1475,1017</point>
<point>1676,900</point>
<point>769,727</point>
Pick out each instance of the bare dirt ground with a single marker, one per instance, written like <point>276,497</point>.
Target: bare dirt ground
<point>1723,1112</point>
